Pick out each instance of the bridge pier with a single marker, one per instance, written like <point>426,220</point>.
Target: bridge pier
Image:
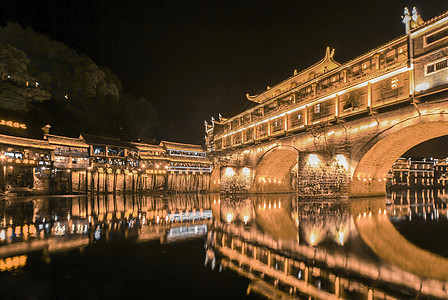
<point>236,179</point>
<point>321,174</point>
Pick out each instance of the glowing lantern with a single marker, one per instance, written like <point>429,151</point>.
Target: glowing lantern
<point>229,217</point>
<point>229,172</point>
<point>342,161</point>
<point>313,160</point>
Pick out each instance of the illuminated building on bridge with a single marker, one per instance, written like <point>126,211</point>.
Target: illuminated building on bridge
<point>338,128</point>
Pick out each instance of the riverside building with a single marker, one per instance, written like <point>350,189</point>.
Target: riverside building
<point>97,164</point>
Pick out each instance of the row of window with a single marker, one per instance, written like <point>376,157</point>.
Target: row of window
<point>436,66</point>
<point>391,56</point>
<point>25,155</point>
<point>186,153</point>
<point>436,36</point>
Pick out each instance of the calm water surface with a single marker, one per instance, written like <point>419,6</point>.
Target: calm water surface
<point>210,246</point>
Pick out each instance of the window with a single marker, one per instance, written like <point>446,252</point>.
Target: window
<point>115,151</point>
<point>99,150</point>
<point>317,108</point>
<point>437,36</point>
<point>9,154</point>
<point>436,66</point>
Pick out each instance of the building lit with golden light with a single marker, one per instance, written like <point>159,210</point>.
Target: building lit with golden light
<point>96,164</point>
<point>354,112</point>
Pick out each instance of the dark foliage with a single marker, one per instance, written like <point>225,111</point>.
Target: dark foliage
<point>45,82</point>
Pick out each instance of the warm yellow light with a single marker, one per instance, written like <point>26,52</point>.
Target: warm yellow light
<point>229,172</point>
<point>245,218</point>
<point>313,238</point>
<point>229,217</point>
<point>8,263</point>
<point>340,236</point>
<point>342,161</point>
<point>313,160</point>
<point>246,171</point>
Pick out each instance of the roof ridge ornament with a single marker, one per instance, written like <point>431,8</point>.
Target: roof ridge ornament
<point>328,54</point>
<point>413,21</point>
<point>406,20</point>
<point>416,18</point>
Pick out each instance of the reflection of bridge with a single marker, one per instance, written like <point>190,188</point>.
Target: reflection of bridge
<point>340,127</point>
<point>381,236</point>
<point>268,256</point>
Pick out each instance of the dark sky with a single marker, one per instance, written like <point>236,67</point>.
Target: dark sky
<point>194,59</point>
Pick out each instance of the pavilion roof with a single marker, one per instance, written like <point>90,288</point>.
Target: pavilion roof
<point>324,65</point>
<point>65,141</point>
<point>147,147</point>
<point>25,142</point>
<point>105,141</point>
<point>181,146</point>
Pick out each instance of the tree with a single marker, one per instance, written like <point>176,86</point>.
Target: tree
<point>66,89</point>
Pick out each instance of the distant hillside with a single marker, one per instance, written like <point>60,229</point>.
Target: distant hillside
<point>43,81</point>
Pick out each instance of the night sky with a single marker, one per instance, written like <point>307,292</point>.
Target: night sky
<point>195,59</point>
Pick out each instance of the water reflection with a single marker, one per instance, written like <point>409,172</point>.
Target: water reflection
<point>330,248</point>
<point>52,224</point>
<point>285,245</point>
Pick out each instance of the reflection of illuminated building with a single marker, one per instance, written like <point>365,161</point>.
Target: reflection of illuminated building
<point>278,265</point>
<point>425,204</point>
<point>60,224</point>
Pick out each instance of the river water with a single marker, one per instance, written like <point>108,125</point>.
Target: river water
<point>199,246</point>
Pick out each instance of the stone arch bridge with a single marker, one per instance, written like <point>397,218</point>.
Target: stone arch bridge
<point>338,128</point>
<point>351,157</point>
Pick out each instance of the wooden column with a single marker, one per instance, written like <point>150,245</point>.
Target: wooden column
<point>306,115</point>
<point>115,182</point>
<point>369,95</point>
<point>336,106</point>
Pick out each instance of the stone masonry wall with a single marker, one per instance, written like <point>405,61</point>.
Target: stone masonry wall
<point>320,175</point>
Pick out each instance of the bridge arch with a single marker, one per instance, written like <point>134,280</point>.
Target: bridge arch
<point>372,162</point>
<point>273,170</point>
<point>376,230</point>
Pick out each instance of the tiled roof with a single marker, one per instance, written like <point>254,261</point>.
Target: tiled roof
<point>147,147</point>
<point>105,141</point>
<point>65,141</point>
<point>181,146</point>
<point>25,142</point>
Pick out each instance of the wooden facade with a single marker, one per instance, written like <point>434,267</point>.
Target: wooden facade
<point>328,93</point>
<point>94,164</point>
